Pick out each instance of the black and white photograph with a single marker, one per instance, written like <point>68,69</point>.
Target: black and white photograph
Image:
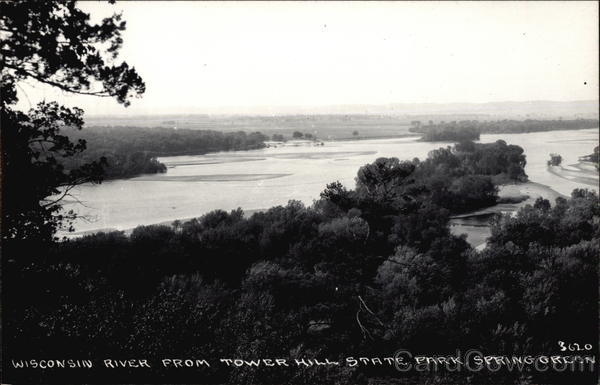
<point>299,192</point>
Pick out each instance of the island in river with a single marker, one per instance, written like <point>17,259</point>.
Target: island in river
<point>195,185</point>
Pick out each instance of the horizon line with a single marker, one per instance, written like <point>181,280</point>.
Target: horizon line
<point>243,109</point>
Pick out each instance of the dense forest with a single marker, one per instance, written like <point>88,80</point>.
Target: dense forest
<point>470,129</point>
<point>362,271</point>
<point>130,151</point>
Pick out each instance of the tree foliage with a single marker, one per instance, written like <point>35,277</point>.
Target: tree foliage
<point>55,44</point>
<point>34,178</point>
<point>130,151</point>
<point>449,133</point>
<point>505,126</point>
<point>296,281</point>
<point>359,270</point>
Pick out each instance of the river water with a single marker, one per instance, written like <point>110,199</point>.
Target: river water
<point>258,179</point>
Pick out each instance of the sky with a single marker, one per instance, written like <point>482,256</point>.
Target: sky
<point>197,57</point>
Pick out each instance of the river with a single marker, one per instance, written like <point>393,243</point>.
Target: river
<point>258,179</point>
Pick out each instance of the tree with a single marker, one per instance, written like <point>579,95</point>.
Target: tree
<point>34,180</point>
<point>415,123</point>
<point>297,135</point>
<point>383,170</point>
<point>354,133</point>
<point>385,174</point>
<point>52,43</point>
<point>555,160</point>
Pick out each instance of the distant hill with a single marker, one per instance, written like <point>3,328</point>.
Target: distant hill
<point>350,121</point>
<point>533,109</point>
<point>435,111</point>
<point>458,111</point>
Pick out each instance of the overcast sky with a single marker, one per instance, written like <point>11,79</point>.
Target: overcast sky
<point>195,56</point>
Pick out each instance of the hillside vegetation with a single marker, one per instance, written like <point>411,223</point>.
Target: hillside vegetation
<point>368,269</point>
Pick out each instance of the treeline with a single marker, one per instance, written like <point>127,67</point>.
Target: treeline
<point>370,270</point>
<point>130,151</point>
<point>450,133</point>
<point>456,129</point>
<point>295,136</point>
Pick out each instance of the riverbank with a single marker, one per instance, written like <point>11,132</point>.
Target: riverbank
<point>129,230</point>
<point>511,198</point>
<point>474,224</point>
<point>204,183</point>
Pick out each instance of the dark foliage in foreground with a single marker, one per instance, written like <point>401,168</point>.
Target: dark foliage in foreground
<point>53,43</point>
<point>362,272</point>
